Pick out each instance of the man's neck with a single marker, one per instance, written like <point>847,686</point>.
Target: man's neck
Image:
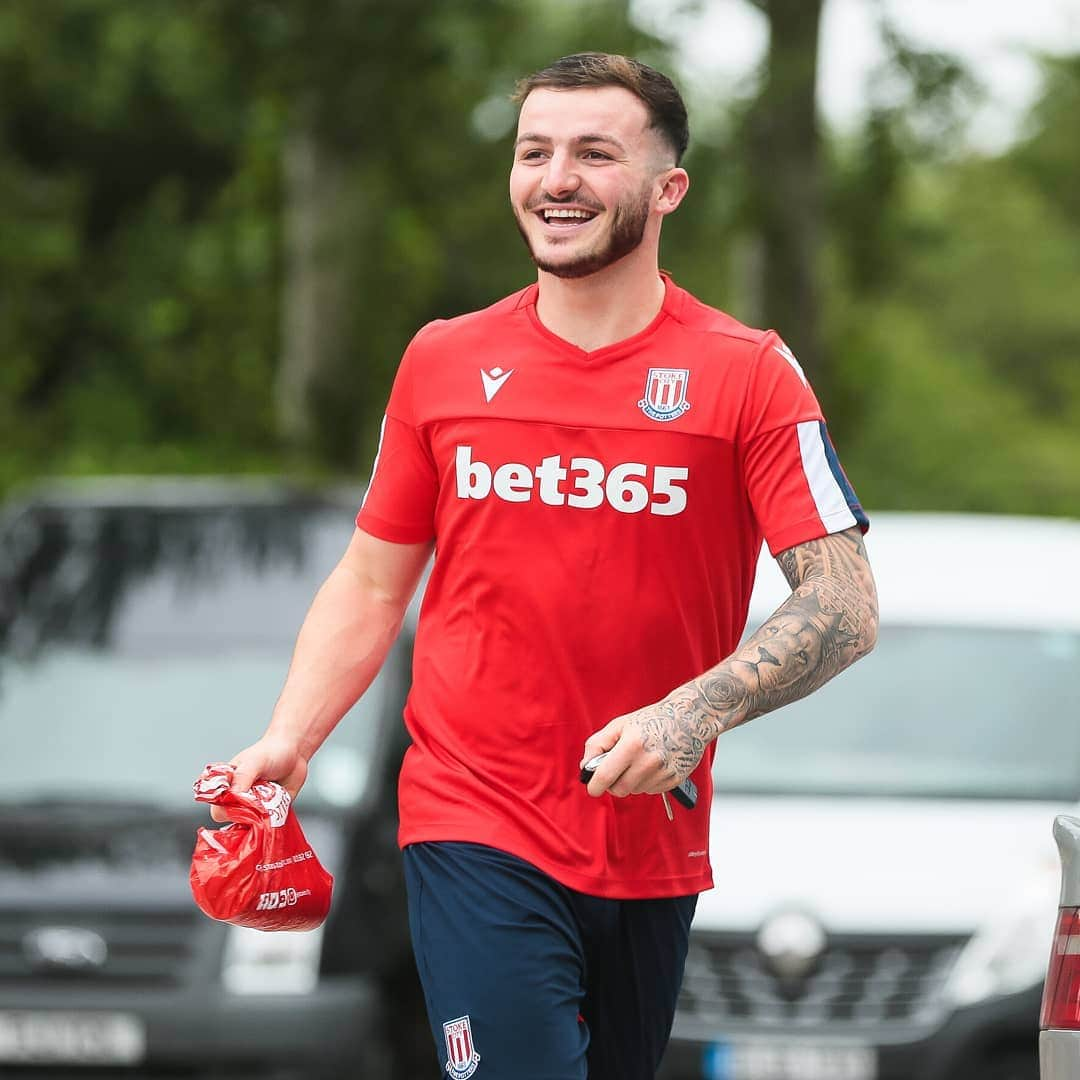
<point>603,308</point>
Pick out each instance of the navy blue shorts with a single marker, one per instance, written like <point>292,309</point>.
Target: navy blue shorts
<point>526,979</point>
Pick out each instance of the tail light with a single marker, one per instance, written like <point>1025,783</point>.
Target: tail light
<point>1061,995</point>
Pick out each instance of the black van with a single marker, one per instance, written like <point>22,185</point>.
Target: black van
<point>146,626</point>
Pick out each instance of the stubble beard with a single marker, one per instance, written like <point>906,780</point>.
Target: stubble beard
<point>627,231</point>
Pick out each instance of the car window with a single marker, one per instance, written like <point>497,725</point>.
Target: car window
<point>145,643</point>
<point>91,724</point>
<point>941,711</point>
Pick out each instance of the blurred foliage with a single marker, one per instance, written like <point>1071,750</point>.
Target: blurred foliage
<point>956,314</point>
<point>143,258</point>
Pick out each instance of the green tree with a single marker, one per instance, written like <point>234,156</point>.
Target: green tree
<point>222,222</point>
<point>785,186</point>
<point>959,362</point>
<point>138,222</point>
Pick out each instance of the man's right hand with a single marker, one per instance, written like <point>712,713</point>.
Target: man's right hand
<point>271,758</point>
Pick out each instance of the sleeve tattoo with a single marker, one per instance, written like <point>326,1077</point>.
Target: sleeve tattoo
<point>828,622</point>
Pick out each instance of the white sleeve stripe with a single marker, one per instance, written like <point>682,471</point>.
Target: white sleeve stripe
<point>375,463</point>
<point>789,356</point>
<point>828,496</point>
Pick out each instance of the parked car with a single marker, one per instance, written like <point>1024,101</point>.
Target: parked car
<point>1059,1037</point>
<point>885,874</point>
<point>886,880</point>
<point>146,626</point>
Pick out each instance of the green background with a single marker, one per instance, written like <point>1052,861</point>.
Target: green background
<point>220,223</point>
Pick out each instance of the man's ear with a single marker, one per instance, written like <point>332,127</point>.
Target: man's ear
<point>673,186</point>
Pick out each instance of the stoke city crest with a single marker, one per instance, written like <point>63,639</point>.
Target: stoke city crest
<point>461,1055</point>
<point>665,394</point>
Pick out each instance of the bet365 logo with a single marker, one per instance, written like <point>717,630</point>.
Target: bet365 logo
<point>630,487</point>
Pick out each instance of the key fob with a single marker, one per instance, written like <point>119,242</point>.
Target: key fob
<point>590,767</point>
<point>685,794</point>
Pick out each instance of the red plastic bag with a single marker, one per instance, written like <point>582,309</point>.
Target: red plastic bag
<point>259,870</point>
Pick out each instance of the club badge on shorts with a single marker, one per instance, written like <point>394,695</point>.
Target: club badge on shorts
<point>665,394</point>
<point>461,1055</point>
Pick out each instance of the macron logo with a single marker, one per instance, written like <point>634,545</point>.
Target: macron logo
<point>493,380</point>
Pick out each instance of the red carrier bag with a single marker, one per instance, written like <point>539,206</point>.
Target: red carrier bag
<point>259,870</point>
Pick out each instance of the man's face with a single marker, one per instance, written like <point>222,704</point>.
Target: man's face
<point>584,178</point>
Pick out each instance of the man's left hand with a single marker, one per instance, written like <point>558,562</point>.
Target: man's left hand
<point>649,750</point>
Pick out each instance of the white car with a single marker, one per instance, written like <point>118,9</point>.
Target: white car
<point>886,879</point>
<point>1059,1039</point>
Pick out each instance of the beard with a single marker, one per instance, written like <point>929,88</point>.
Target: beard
<point>627,231</point>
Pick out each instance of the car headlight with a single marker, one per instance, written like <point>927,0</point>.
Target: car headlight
<point>1009,952</point>
<point>282,962</point>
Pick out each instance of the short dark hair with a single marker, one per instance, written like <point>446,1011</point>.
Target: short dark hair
<point>667,111</point>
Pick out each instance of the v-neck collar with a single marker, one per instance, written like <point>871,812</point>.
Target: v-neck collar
<point>669,306</point>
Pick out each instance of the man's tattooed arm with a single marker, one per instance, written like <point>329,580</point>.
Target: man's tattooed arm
<point>827,623</point>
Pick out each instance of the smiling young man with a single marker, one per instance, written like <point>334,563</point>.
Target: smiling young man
<point>596,460</point>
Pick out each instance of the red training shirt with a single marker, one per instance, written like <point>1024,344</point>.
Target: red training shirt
<point>597,518</point>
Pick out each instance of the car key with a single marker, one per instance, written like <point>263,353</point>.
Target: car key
<point>685,793</point>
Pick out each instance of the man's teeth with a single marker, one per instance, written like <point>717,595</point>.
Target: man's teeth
<point>584,215</point>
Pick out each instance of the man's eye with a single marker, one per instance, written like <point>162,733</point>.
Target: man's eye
<point>596,155</point>
<point>532,155</point>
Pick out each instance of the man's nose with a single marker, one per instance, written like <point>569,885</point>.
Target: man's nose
<point>561,177</point>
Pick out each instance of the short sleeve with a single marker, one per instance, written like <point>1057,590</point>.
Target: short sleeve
<point>399,504</point>
<point>797,488</point>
